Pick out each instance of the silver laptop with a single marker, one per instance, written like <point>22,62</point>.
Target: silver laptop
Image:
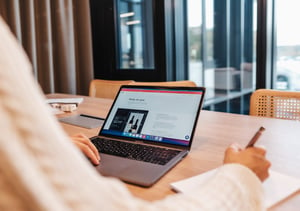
<point>147,131</point>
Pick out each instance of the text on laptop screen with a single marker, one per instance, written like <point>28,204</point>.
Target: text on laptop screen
<point>151,114</point>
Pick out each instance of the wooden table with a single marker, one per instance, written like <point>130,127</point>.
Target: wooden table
<point>215,132</point>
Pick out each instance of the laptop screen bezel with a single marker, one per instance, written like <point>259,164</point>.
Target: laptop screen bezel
<point>202,89</point>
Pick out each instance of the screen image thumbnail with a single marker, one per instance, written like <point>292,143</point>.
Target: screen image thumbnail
<point>128,120</point>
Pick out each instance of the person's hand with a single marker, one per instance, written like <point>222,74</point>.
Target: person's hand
<point>252,157</point>
<point>87,147</point>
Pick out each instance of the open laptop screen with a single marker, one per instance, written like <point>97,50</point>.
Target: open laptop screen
<point>157,114</point>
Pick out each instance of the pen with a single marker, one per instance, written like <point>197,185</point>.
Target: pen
<point>93,117</point>
<point>255,137</point>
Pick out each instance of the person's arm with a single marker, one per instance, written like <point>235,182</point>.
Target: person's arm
<point>87,147</point>
<point>233,187</point>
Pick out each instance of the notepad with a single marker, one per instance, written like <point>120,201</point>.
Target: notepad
<point>83,120</point>
<point>277,187</point>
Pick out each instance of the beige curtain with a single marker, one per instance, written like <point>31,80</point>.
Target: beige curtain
<point>56,35</point>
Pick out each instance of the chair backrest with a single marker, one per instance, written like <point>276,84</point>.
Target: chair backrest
<point>275,104</point>
<point>166,83</point>
<point>109,88</point>
<point>106,88</point>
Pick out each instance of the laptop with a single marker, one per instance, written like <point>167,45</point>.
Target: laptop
<point>148,130</point>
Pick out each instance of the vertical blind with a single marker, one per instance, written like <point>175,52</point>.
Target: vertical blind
<point>56,35</point>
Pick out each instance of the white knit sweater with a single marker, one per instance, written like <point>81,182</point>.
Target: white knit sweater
<point>40,169</point>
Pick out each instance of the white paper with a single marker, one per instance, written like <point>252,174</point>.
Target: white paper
<point>65,100</point>
<point>277,187</point>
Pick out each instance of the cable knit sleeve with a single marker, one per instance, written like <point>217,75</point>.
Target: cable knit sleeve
<point>233,187</point>
<point>41,169</point>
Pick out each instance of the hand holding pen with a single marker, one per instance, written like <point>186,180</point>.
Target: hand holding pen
<point>252,157</point>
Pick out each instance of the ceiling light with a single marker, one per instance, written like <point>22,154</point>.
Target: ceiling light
<point>125,15</point>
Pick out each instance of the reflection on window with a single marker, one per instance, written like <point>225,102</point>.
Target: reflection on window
<point>135,34</point>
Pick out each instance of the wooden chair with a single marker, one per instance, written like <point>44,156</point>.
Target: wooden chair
<point>106,88</point>
<point>275,104</point>
<point>166,83</point>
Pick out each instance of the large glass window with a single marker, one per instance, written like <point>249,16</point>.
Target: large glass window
<point>222,51</point>
<point>287,74</point>
<point>211,42</point>
<point>135,46</point>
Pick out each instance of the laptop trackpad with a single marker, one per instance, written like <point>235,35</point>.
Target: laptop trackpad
<point>112,165</point>
<point>141,173</point>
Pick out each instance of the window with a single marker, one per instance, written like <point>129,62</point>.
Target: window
<point>222,51</point>
<point>135,42</point>
<point>129,39</point>
<point>211,42</point>
<point>287,45</point>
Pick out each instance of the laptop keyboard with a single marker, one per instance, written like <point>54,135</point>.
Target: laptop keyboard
<point>132,151</point>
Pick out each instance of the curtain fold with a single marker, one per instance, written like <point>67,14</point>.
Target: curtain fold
<point>56,35</point>
<point>64,45</point>
<point>44,46</point>
<point>83,37</point>
<point>29,31</point>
